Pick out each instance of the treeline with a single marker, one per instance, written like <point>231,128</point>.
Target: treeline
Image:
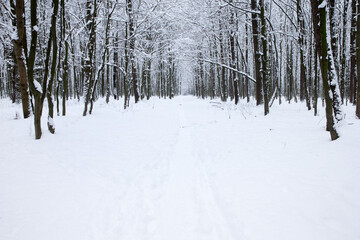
<point>268,49</point>
<point>54,50</point>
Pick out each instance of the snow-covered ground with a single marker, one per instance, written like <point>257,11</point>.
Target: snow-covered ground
<point>185,169</point>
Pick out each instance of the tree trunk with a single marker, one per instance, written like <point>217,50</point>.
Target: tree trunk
<point>316,80</point>
<point>257,55</point>
<point>321,38</point>
<point>352,90</point>
<point>233,80</point>
<point>334,33</point>
<point>51,125</point>
<point>304,95</point>
<point>65,81</point>
<point>265,80</point>
<point>343,56</point>
<point>358,61</point>
<point>20,52</point>
<point>222,56</point>
<point>90,54</point>
<point>129,9</point>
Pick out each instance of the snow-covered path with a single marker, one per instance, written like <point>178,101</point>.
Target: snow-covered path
<point>185,169</point>
<point>188,207</point>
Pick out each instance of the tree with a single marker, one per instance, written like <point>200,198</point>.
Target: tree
<point>352,90</point>
<point>343,52</point>
<point>132,41</point>
<point>257,55</point>
<point>303,78</point>
<point>265,80</point>
<point>358,62</point>
<point>20,50</point>
<point>90,52</point>
<point>328,72</point>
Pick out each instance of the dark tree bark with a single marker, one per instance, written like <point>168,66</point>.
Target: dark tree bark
<point>247,60</point>
<point>13,70</point>
<point>358,62</point>
<point>222,60</point>
<point>104,57</point>
<point>319,15</point>
<point>352,91</point>
<point>90,53</point>
<point>343,54</point>
<point>334,32</point>
<point>257,55</point>
<point>265,77</point>
<point>35,89</point>
<point>132,38</point>
<point>304,95</point>
<point>289,72</point>
<point>65,93</point>
<point>233,80</point>
<point>20,51</point>
<point>53,40</point>
<point>40,92</point>
<point>127,60</point>
<point>316,88</point>
<point>115,70</point>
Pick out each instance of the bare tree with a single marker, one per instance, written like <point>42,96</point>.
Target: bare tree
<point>20,50</point>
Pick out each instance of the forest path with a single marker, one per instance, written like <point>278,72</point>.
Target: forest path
<point>170,196</point>
<point>180,169</point>
<point>188,209</point>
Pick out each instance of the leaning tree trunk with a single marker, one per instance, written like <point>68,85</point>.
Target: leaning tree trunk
<point>104,58</point>
<point>34,86</point>
<point>47,90</point>
<point>51,125</point>
<point>319,15</point>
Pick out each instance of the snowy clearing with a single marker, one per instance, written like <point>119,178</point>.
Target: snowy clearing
<point>185,169</point>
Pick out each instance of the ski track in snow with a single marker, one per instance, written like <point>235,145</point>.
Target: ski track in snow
<point>180,201</point>
<point>188,207</point>
<point>184,169</point>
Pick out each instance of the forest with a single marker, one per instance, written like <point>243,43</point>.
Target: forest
<point>179,119</point>
<point>53,51</point>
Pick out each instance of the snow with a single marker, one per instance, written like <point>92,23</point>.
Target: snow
<point>37,86</point>
<point>323,4</point>
<point>179,169</point>
<point>51,121</point>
